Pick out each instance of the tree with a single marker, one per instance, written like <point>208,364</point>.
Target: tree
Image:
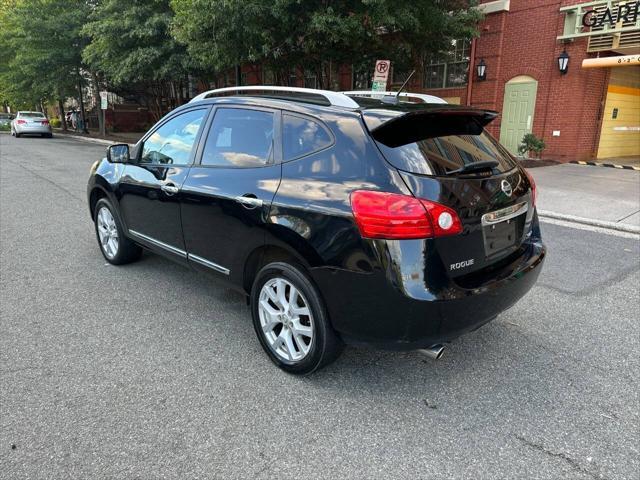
<point>130,44</point>
<point>39,52</point>
<point>306,34</point>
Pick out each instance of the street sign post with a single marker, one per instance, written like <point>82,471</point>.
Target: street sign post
<point>381,75</point>
<point>103,100</point>
<point>103,107</point>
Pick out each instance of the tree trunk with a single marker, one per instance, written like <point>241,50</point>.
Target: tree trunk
<point>96,101</point>
<point>63,120</point>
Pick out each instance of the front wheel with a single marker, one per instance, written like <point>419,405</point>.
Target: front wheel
<point>290,320</point>
<point>115,247</point>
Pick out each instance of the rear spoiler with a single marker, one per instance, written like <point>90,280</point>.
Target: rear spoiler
<point>419,125</point>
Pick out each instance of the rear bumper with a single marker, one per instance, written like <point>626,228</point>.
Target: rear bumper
<point>394,311</point>
<point>35,130</point>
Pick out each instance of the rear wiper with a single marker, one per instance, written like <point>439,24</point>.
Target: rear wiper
<point>475,167</point>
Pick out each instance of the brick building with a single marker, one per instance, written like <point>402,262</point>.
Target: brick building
<point>582,114</point>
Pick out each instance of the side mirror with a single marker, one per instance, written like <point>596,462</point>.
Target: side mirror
<point>118,153</point>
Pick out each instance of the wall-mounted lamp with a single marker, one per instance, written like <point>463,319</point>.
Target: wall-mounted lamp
<point>482,70</point>
<point>563,62</point>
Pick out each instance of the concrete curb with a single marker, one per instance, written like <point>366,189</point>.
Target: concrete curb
<point>99,141</point>
<point>621,227</point>
<point>610,165</point>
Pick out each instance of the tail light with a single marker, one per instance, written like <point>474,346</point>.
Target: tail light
<point>395,216</point>
<point>45,122</point>
<point>534,191</point>
<point>21,122</point>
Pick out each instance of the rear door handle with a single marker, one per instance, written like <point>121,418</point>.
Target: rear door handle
<point>169,188</point>
<point>249,201</point>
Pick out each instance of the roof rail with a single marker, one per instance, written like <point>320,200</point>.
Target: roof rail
<point>371,94</point>
<point>335,99</point>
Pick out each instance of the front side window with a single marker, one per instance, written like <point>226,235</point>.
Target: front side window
<point>239,138</point>
<point>448,69</point>
<point>172,143</point>
<point>302,136</point>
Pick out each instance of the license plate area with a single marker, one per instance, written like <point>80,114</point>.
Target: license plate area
<point>502,228</point>
<point>499,236</point>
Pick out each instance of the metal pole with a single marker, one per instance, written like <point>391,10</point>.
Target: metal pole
<point>82,115</point>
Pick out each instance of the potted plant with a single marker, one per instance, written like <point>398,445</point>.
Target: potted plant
<point>531,143</point>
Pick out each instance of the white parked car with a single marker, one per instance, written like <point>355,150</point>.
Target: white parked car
<point>35,123</point>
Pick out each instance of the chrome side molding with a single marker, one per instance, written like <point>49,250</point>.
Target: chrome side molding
<point>180,253</point>
<point>158,243</point>
<point>207,263</point>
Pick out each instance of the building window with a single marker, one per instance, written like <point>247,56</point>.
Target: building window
<point>268,76</point>
<point>362,76</point>
<point>449,69</point>
<point>399,75</point>
<point>293,80</point>
<point>310,79</point>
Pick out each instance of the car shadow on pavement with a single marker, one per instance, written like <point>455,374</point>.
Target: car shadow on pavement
<point>497,346</point>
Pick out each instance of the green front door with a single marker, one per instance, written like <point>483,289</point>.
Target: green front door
<point>517,113</point>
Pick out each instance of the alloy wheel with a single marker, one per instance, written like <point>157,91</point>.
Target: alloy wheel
<point>108,233</point>
<point>286,320</point>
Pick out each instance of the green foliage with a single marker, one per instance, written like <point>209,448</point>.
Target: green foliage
<point>531,143</point>
<point>130,42</point>
<point>304,33</point>
<point>5,127</point>
<point>40,49</point>
<point>148,49</point>
<point>55,122</point>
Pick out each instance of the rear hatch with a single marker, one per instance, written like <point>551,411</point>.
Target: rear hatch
<point>444,155</point>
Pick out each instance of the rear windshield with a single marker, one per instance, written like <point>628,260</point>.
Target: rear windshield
<point>442,155</point>
<point>31,115</point>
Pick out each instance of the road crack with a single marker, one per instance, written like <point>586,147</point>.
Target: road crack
<point>48,180</point>
<point>561,455</point>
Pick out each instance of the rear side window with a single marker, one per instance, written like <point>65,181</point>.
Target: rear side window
<point>302,136</point>
<point>445,154</point>
<point>239,138</point>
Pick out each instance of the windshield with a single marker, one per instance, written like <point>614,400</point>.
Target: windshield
<point>31,115</point>
<point>5,116</point>
<point>443,155</point>
<point>439,140</point>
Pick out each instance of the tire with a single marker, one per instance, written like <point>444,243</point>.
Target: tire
<point>118,249</point>
<point>17,135</point>
<point>281,334</point>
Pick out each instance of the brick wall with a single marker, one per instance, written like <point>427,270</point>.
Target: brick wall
<point>523,42</point>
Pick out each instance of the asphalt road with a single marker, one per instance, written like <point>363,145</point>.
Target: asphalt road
<point>153,371</point>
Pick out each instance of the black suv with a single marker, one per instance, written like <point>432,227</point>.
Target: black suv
<point>343,218</point>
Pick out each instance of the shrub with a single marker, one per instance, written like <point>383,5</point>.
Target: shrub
<point>55,122</point>
<point>5,128</point>
<point>531,143</point>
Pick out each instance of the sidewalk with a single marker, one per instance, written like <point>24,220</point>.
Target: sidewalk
<point>599,196</point>
<point>122,137</point>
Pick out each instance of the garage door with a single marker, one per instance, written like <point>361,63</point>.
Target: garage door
<point>620,134</point>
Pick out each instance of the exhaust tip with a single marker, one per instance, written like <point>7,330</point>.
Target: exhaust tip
<point>434,351</point>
